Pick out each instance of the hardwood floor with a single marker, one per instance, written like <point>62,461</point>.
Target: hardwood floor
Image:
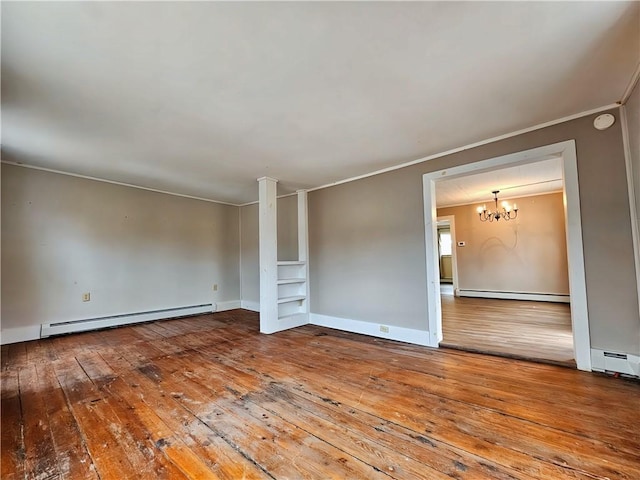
<point>210,397</point>
<point>538,331</point>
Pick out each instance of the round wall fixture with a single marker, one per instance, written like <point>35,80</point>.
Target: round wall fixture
<point>604,121</point>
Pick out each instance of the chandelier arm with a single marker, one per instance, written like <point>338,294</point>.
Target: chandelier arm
<point>498,213</point>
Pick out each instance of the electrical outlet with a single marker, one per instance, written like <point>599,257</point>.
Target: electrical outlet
<point>86,297</point>
<point>384,329</point>
<point>215,287</point>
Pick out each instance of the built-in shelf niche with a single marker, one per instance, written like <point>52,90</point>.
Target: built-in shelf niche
<point>292,288</point>
<point>284,289</point>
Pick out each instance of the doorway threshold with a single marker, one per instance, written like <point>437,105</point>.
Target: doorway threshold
<point>514,356</point>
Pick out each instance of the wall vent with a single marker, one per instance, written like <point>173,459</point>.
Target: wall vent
<point>622,356</point>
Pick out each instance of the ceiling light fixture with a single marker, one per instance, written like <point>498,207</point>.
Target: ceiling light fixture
<point>508,212</point>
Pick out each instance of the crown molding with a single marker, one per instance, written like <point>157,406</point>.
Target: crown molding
<point>113,182</point>
<point>471,145</point>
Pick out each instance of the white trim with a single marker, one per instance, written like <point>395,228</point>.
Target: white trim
<point>228,305</point>
<point>278,197</point>
<point>240,252</point>
<point>635,229</point>
<point>113,182</point>
<point>35,332</point>
<point>19,334</point>
<point>292,321</point>
<point>275,180</point>
<point>268,258</point>
<point>249,305</point>
<point>603,361</point>
<point>575,254</point>
<point>401,334</point>
<point>303,244</point>
<point>83,325</point>
<point>434,310</point>
<point>632,83</point>
<point>471,145</point>
<point>535,297</point>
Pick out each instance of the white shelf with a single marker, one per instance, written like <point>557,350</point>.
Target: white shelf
<point>294,298</point>
<point>286,281</point>
<point>293,317</point>
<point>290,262</point>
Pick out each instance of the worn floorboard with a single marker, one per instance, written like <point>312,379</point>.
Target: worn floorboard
<point>539,331</point>
<point>210,397</point>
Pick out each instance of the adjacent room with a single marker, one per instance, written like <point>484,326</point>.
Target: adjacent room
<point>503,263</point>
<point>290,240</point>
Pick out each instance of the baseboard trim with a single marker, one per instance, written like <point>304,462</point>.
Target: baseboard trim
<point>229,305</point>
<point>35,332</point>
<point>607,361</point>
<point>84,325</point>
<point>408,335</point>
<point>249,305</point>
<point>536,297</point>
<point>19,334</point>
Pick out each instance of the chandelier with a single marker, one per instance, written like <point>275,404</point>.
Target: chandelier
<point>507,212</point>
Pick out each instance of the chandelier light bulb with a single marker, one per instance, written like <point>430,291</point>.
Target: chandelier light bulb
<point>507,212</point>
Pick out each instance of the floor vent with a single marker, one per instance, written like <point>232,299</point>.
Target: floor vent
<point>59,328</point>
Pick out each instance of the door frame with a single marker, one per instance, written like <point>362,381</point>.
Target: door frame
<point>566,151</point>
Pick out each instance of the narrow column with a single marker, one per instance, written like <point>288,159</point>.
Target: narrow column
<point>268,235</point>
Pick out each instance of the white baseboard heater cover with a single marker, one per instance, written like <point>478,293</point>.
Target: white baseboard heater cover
<point>60,328</point>
<point>536,297</point>
<point>625,363</point>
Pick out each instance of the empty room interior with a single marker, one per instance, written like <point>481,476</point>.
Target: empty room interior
<point>287,240</point>
<point>515,305</point>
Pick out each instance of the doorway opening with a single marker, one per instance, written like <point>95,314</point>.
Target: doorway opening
<point>565,151</point>
<point>444,251</point>
<point>447,253</point>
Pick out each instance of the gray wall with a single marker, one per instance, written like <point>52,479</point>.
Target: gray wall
<point>288,228</point>
<point>633,122</point>
<point>632,109</point>
<point>528,254</point>
<point>287,243</point>
<point>134,250</point>
<point>366,238</point>
<point>249,254</point>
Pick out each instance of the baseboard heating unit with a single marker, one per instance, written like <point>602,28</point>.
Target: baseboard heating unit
<point>46,330</point>
<point>536,297</point>
<point>614,362</point>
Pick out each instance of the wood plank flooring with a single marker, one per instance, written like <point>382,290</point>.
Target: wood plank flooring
<point>538,331</point>
<point>210,397</point>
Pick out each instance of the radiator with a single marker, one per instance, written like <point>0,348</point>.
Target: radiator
<point>625,363</point>
<point>83,325</point>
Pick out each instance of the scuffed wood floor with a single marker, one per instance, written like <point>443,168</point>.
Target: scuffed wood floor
<point>210,397</point>
<point>539,331</point>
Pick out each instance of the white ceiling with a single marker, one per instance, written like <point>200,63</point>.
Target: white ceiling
<point>536,178</point>
<point>203,98</point>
